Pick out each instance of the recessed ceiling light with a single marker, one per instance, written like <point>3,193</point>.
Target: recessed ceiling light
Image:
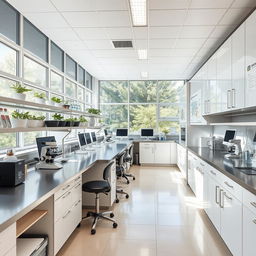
<point>143,54</point>
<point>139,12</point>
<point>144,74</point>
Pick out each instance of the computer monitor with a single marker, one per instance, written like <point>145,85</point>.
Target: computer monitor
<point>229,135</point>
<point>93,135</point>
<point>88,138</point>
<point>147,132</point>
<point>41,142</point>
<point>121,132</point>
<point>81,139</point>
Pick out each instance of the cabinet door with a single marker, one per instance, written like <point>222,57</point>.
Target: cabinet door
<point>212,80</point>
<point>238,67</point>
<point>173,153</point>
<point>249,232</point>
<point>231,222</point>
<point>250,35</point>
<point>147,153</point>
<point>162,153</point>
<point>213,207</point>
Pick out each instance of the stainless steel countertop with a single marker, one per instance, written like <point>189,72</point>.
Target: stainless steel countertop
<point>41,184</point>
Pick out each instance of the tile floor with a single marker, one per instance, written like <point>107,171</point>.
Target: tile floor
<point>161,218</point>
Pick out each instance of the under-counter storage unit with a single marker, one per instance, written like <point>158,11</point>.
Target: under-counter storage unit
<point>158,153</point>
<point>182,159</point>
<point>8,241</point>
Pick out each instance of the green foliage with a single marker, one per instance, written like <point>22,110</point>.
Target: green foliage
<point>94,111</point>
<point>56,99</point>
<point>7,140</point>
<point>58,117</point>
<point>165,130</point>
<point>20,115</point>
<point>19,88</point>
<point>82,119</point>
<point>34,117</point>
<point>72,119</point>
<point>40,95</point>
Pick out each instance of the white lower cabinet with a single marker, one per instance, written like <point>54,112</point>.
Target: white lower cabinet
<point>182,159</point>
<point>191,172</point>
<point>147,153</point>
<point>8,241</point>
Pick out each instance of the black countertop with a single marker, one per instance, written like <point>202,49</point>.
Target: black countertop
<point>226,166</point>
<point>41,184</point>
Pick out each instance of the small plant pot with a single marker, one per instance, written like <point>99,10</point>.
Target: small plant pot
<point>76,123</point>
<point>40,123</point>
<point>32,123</point>
<point>66,106</point>
<point>40,101</point>
<point>92,121</point>
<point>62,123</point>
<point>19,123</point>
<point>51,123</point>
<point>83,124</point>
<point>20,96</point>
<point>69,123</point>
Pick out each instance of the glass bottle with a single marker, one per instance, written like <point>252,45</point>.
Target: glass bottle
<point>3,121</point>
<point>7,118</point>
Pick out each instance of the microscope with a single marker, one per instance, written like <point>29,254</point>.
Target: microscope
<point>48,152</point>
<point>234,149</point>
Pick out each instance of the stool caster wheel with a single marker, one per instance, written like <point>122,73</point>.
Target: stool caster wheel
<point>93,231</point>
<point>127,196</point>
<point>112,215</point>
<point>128,182</point>
<point>115,225</point>
<point>117,201</point>
<point>88,214</point>
<point>133,178</point>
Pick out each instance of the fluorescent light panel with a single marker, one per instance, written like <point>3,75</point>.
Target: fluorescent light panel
<point>139,12</point>
<point>143,54</point>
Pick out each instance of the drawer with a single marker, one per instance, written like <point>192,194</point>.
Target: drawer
<point>12,252</point>
<point>249,200</point>
<point>234,188</point>
<point>77,180</point>
<point>215,174</point>
<point>62,205</point>
<point>8,239</point>
<point>63,189</point>
<point>76,214</point>
<point>76,192</point>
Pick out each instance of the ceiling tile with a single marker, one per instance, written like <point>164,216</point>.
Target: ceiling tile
<point>244,3</point>
<point>82,19</point>
<point>115,53</point>
<point>204,17</point>
<point>30,6</point>
<point>167,4</point>
<point>196,31</point>
<point>164,32</point>
<point>183,52</point>
<point>140,44</point>
<point>115,19</point>
<point>189,43</point>
<point>211,4</point>
<point>72,45</point>
<point>166,17</point>
<point>91,33</point>
<point>234,16</point>
<point>221,31</point>
<point>109,5</point>
<point>159,52</point>
<point>99,44</point>
<point>47,20</point>
<point>119,33</point>
<point>61,34</point>
<point>213,42</point>
<point>161,43</point>
<point>74,5</point>
<point>140,32</point>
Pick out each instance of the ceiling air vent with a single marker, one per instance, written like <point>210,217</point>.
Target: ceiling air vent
<point>122,44</point>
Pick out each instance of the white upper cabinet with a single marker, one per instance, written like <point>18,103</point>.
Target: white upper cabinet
<point>211,90</point>
<point>250,68</point>
<point>238,68</point>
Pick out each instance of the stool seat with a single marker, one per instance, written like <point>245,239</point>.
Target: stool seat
<point>96,186</point>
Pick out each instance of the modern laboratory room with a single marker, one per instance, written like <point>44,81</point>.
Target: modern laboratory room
<point>127,127</point>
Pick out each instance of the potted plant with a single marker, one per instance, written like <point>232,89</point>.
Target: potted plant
<point>32,121</point>
<point>69,121</point>
<point>56,101</point>
<point>59,117</point>
<point>19,119</point>
<point>83,121</point>
<point>165,131</point>
<point>66,105</point>
<point>76,121</point>
<point>40,97</point>
<point>40,121</point>
<point>93,111</point>
<point>20,91</point>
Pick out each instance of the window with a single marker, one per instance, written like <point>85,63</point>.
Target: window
<point>167,111</point>
<point>30,95</point>
<point>88,98</point>
<point>70,67</point>
<point>5,87</point>
<point>81,75</point>
<point>34,72</point>
<point>56,82</point>
<point>143,91</point>
<point>35,41</point>
<point>7,140</point>
<point>88,81</point>
<point>9,20</point>
<point>113,92</point>
<point>8,60</point>
<point>172,126</point>
<point>70,89</point>
<point>169,91</point>
<point>57,57</point>
<point>30,138</point>
<point>80,93</point>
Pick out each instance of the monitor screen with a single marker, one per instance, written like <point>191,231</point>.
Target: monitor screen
<point>41,142</point>
<point>106,132</point>
<point>122,132</point>
<point>94,139</point>
<point>81,139</point>
<point>147,132</point>
<point>229,135</point>
<point>88,138</point>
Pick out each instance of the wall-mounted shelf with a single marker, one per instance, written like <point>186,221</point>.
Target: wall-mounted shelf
<point>11,102</point>
<point>29,220</point>
<point>12,130</point>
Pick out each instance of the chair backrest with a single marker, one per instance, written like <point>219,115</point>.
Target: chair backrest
<point>121,158</point>
<point>131,152</point>
<point>107,170</point>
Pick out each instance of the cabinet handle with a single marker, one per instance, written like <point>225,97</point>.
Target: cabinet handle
<point>77,203</point>
<point>78,185</point>
<point>78,178</point>
<point>66,187</point>
<point>254,221</point>
<point>228,99</point>
<point>233,98</point>
<point>228,184</point>
<point>213,173</point>
<point>66,214</point>
<point>225,194</point>
<point>66,195</point>
<point>216,194</point>
<point>209,106</point>
<point>253,204</point>
<point>221,199</point>
<point>202,164</point>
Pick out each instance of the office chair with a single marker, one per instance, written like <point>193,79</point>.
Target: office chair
<point>129,159</point>
<point>97,187</point>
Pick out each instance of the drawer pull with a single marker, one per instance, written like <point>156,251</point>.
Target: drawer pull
<point>216,194</point>
<point>66,187</point>
<point>66,195</point>
<point>78,185</point>
<point>77,203</point>
<point>230,198</point>
<point>213,173</point>
<point>202,164</point>
<point>254,221</point>
<point>253,204</point>
<point>66,214</point>
<point>221,199</point>
<point>228,184</point>
<point>78,178</point>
